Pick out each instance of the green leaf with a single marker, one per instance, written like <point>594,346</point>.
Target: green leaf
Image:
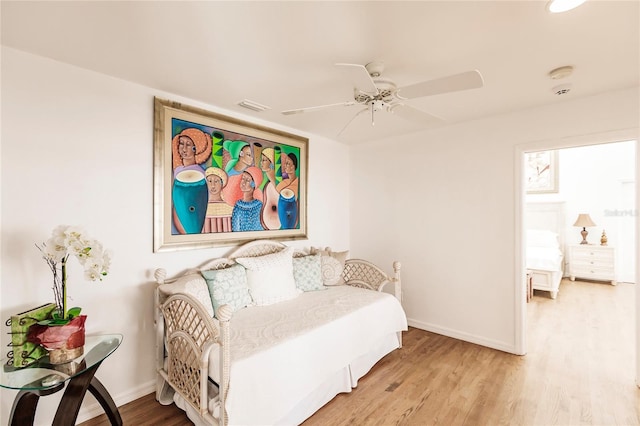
<point>54,322</point>
<point>74,312</point>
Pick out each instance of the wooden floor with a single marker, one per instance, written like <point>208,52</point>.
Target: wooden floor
<point>579,371</point>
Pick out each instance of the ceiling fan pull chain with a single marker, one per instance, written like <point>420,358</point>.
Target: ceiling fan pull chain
<point>373,123</point>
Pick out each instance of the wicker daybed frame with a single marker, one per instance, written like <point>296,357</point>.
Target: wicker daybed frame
<point>186,333</point>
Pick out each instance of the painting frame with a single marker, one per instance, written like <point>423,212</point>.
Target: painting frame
<point>178,188</point>
<point>541,172</point>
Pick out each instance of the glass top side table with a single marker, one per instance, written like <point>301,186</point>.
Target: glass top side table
<point>42,378</point>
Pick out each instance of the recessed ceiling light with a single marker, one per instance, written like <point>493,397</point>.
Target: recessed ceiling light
<point>558,6</point>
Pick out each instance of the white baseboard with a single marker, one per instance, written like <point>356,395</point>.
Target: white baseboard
<point>478,340</point>
<point>94,409</point>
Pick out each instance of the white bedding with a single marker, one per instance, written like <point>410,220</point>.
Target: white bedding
<point>544,258</point>
<point>543,250</point>
<point>338,325</point>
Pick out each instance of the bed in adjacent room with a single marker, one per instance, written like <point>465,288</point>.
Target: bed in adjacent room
<point>545,245</point>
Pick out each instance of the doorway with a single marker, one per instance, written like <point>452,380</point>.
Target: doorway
<point>626,187</point>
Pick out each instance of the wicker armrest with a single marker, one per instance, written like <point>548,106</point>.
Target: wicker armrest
<point>362,273</point>
<point>189,335</point>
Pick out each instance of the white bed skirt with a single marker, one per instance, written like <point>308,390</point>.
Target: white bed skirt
<point>342,381</point>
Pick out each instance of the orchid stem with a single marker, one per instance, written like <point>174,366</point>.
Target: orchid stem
<point>64,288</point>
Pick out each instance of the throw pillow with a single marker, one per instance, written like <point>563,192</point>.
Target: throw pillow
<point>332,265</point>
<point>193,285</point>
<point>228,287</point>
<point>307,272</point>
<point>270,277</point>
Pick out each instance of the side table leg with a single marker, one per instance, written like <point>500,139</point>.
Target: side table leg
<point>23,410</point>
<point>98,390</point>
<point>69,407</point>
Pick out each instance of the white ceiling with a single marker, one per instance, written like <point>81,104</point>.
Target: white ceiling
<point>282,54</point>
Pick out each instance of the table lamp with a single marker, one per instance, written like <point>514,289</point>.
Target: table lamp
<point>583,221</point>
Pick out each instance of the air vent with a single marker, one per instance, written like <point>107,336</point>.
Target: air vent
<point>253,106</point>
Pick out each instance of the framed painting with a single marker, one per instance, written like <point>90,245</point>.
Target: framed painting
<point>221,181</point>
<point>541,172</point>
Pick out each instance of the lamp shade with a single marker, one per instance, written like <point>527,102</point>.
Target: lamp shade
<point>584,220</point>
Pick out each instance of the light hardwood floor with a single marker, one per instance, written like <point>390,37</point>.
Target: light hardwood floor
<point>579,371</point>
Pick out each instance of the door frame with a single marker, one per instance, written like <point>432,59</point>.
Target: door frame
<point>519,249</point>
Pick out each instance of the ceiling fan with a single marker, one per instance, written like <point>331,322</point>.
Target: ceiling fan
<point>376,93</point>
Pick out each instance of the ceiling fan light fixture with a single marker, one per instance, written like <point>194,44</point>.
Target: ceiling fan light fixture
<point>559,6</point>
<point>374,93</point>
<point>378,105</point>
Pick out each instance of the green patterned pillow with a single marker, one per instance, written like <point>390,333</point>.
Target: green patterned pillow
<point>228,287</point>
<point>307,272</point>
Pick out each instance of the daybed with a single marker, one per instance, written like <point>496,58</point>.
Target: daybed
<point>279,362</point>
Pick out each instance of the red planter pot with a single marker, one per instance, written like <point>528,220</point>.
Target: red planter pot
<point>63,342</point>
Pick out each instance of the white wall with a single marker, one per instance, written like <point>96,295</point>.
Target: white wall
<point>77,149</point>
<point>593,179</point>
<point>449,207</point>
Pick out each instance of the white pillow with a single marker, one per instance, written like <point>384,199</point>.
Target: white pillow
<point>541,238</point>
<point>270,277</point>
<point>193,285</point>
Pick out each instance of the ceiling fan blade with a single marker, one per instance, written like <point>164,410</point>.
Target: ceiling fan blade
<point>315,108</point>
<point>360,78</point>
<point>414,114</point>
<point>351,121</point>
<point>453,83</point>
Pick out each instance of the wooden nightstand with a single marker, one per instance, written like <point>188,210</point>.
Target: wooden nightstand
<point>592,262</point>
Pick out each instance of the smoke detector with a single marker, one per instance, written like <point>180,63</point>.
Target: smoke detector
<point>562,89</point>
<point>560,73</point>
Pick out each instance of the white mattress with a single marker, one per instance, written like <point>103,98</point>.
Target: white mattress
<point>544,258</point>
<point>281,353</point>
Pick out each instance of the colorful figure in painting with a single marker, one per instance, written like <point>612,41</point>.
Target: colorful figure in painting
<point>267,165</point>
<point>218,217</point>
<point>246,212</point>
<point>189,195</point>
<point>288,190</point>
<point>191,148</point>
<point>270,219</point>
<point>241,156</point>
<point>289,176</point>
